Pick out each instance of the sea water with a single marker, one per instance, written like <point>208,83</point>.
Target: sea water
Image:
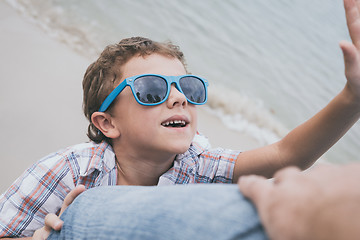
<point>271,64</point>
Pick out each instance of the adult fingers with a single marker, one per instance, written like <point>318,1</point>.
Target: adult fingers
<point>256,188</point>
<point>71,197</point>
<point>321,166</point>
<point>286,173</point>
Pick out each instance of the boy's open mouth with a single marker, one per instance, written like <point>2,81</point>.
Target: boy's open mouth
<point>175,123</point>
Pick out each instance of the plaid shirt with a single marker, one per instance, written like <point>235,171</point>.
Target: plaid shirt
<point>42,188</point>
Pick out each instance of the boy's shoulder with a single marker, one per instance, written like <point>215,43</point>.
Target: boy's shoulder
<point>81,149</point>
<point>83,154</point>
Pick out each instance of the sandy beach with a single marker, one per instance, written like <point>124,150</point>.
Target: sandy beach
<point>41,96</point>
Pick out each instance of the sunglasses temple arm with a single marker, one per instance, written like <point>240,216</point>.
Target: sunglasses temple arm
<point>111,97</point>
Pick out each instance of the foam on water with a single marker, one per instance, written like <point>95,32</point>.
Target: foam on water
<point>59,24</point>
<point>244,114</point>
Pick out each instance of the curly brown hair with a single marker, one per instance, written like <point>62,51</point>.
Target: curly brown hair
<point>104,74</point>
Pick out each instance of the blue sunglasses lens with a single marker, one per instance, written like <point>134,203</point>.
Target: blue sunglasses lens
<point>150,89</point>
<point>193,88</point>
<point>153,89</point>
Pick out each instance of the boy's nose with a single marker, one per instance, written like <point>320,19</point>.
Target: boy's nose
<point>176,97</point>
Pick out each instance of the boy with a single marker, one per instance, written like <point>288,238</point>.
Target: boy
<point>143,132</point>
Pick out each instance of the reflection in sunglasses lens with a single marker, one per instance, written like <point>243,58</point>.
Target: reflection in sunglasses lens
<point>150,89</point>
<point>193,89</point>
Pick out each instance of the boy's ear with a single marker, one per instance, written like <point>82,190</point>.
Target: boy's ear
<point>103,122</point>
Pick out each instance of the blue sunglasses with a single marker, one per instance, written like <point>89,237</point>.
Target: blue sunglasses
<point>153,89</point>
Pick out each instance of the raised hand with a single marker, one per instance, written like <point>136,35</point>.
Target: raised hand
<point>351,51</point>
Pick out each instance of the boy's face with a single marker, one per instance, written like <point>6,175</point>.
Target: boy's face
<point>143,128</point>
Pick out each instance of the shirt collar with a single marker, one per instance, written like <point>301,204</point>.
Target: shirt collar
<point>102,158</point>
<point>200,143</point>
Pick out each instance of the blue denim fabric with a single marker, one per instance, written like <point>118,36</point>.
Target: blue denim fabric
<point>198,211</point>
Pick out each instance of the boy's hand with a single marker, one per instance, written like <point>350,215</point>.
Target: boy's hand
<point>351,51</point>
<point>52,221</point>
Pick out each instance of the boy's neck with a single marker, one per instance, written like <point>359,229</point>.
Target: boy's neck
<point>141,171</point>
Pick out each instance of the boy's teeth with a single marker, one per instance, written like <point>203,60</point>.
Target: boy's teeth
<point>176,122</point>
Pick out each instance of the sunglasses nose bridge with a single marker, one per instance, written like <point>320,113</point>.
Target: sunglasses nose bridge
<point>175,95</point>
<point>174,80</point>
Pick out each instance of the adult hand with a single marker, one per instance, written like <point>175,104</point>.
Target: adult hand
<point>52,221</point>
<point>322,203</point>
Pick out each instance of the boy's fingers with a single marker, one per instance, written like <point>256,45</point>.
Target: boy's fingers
<point>351,11</point>
<point>71,196</point>
<point>352,19</point>
<point>255,187</point>
<point>40,234</point>
<point>52,221</point>
<point>349,51</point>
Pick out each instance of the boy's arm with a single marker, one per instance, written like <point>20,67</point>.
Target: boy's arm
<point>25,238</point>
<point>52,221</point>
<point>37,191</point>
<point>306,143</point>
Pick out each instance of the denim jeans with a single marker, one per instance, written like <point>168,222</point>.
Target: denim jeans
<point>197,211</point>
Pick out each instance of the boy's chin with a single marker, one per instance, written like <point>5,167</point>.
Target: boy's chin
<point>179,149</point>
<point>179,144</point>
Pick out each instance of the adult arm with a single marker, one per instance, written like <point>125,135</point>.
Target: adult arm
<point>323,203</point>
<point>307,142</point>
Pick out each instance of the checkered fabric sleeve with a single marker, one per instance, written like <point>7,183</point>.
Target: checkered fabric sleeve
<point>42,188</point>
